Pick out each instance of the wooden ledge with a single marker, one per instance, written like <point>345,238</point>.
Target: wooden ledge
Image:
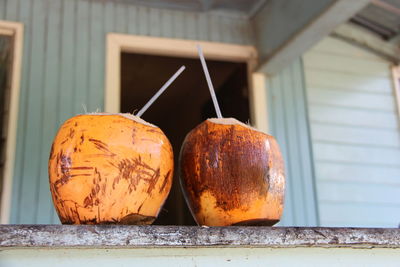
<point>117,236</point>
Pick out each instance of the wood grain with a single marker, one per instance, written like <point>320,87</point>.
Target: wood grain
<point>123,236</point>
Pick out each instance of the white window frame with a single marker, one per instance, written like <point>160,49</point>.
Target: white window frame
<point>118,43</point>
<point>15,30</point>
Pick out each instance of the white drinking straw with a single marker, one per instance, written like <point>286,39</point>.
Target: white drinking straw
<point>160,91</point>
<point>210,86</point>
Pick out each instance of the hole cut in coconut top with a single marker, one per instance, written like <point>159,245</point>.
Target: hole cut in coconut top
<point>232,121</point>
<point>125,115</point>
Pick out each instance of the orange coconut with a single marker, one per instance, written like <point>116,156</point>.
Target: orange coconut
<point>232,174</point>
<point>109,168</point>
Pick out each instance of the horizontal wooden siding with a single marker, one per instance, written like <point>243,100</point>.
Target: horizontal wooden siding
<point>355,135</point>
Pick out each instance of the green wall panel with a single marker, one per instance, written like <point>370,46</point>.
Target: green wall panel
<point>288,123</point>
<point>63,71</point>
<point>33,119</point>
<point>49,111</point>
<point>20,11</point>
<point>355,134</point>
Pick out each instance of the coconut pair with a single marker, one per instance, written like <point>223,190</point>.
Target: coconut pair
<point>117,168</point>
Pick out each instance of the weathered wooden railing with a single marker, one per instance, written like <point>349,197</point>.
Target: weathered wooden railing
<point>186,245</point>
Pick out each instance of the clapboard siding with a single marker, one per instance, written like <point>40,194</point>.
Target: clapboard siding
<point>355,135</point>
<point>359,214</point>
<point>34,104</point>
<point>63,73</point>
<point>325,132</point>
<point>11,9</point>
<point>361,173</point>
<point>338,47</point>
<point>24,16</point>
<point>96,60</point>
<point>82,50</point>
<point>3,9</point>
<point>49,105</point>
<point>351,192</point>
<point>343,63</point>
<point>347,116</point>
<point>288,123</point>
<point>341,98</point>
<point>348,82</point>
<point>357,154</point>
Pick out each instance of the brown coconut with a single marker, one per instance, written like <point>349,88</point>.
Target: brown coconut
<point>232,174</point>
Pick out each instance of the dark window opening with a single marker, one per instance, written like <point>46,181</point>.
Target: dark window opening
<point>6,43</point>
<point>184,105</point>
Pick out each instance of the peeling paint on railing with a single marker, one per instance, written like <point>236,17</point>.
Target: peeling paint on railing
<point>117,236</point>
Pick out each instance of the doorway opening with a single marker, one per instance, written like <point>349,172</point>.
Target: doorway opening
<point>6,51</point>
<point>183,106</point>
<point>11,40</point>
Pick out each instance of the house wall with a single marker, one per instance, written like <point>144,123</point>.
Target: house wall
<point>355,135</point>
<point>288,121</point>
<point>63,72</point>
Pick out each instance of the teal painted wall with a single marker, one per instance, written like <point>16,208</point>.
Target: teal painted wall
<point>63,69</point>
<point>355,135</point>
<point>287,109</point>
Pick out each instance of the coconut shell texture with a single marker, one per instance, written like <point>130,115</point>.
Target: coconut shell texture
<point>109,169</point>
<point>232,174</point>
